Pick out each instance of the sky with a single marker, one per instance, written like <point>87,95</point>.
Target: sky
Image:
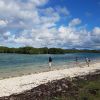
<point>50,23</point>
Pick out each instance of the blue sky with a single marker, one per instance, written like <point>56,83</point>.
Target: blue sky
<point>51,23</point>
<point>87,10</point>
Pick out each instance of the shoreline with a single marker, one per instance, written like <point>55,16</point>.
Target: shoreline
<point>18,85</point>
<point>29,71</point>
<point>77,88</point>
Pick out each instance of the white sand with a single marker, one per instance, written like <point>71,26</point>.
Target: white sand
<point>20,84</point>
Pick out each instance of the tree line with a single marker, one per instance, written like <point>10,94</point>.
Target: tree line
<point>45,50</point>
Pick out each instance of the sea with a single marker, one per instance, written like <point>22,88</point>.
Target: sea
<point>13,65</point>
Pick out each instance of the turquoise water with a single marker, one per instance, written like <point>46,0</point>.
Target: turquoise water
<point>19,64</point>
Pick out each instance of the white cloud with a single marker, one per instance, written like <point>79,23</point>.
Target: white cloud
<point>24,23</point>
<point>96,31</point>
<point>27,14</point>
<point>39,2</point>
<point>6,9</point>
<point>62,10</point>
<point>95,36</point>
<point>74,22</point>
<point>69,35</point>
<point>3,23</point>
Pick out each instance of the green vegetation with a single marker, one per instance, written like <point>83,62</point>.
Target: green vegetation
<point>31,50</point>
<point>90,90</point>
<point>45,50</point>
<point>86,90</point>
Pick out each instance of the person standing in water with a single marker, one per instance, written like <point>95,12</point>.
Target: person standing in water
<point>87,61</point>
<point>50,62</point>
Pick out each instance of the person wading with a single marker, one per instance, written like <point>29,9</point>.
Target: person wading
<point>87,61</point>
<point>50,62</point>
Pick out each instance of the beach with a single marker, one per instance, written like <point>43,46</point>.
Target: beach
<point>15,65</point>
<point>18,85</point>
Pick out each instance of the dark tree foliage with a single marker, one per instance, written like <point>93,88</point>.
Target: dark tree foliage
<point>45,50</point>
<point>56,51</point>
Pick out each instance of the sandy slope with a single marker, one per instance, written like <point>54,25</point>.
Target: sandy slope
<point>27,82</point>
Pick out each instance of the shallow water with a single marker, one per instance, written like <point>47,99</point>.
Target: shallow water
<point>19,64</point>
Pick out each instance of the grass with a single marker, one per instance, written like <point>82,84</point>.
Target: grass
<point>90,91</point>
<point>87,90</point>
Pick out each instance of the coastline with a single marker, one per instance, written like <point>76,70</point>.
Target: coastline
<point>18,85</point>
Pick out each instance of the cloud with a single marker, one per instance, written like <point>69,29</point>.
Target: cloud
<point>62,10</point>
<point>96,31</point>
<point>74,22</point>
<point>39,2</point>
<point>95,34</point>
<point>3,23</point>
<point>51,37</point>
<point>30,23</point>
